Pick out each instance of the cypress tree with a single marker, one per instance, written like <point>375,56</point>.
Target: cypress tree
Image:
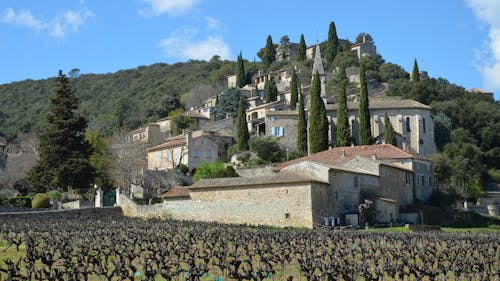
<point>64,161</point>
<point>242,135</point>
<point>294,91</point>
<point>343,134</point>
<point>332,45</point>
<point>241,77</point>
<point>301,127</point>
<point>270,91</point>
<point>365,132</point>
<point>318,124</point>
<point>389,134</point>
<point>302,49</point>
<point>269,52</point>
<point>415,74</point>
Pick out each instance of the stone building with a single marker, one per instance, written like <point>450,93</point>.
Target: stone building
<point>419,171</point>
<point>190,149</point>
<point>256,116</point>
<point>301,194</point>
<point>364,49</point>
<point>411,120</point>
<point>282,124</point>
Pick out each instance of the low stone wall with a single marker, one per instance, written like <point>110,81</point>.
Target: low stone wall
<point>86,210</point>
<point>256,172</point>
<point>71,205</point>
<point>411,217</point>
<point>422,227</point>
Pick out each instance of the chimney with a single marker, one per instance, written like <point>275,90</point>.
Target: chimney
<point>189,137</point>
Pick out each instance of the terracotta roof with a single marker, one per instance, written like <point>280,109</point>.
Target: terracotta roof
<point>282,177</point>
<point>382,103</point>
<point>176,192</point>
<point>173,142</point>
<point>265,105</point>
<point>480,91</point>
<point>338,168</point>
<point>339,155</point>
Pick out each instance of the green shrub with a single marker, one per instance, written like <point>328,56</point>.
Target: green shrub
<point>54,195</point>
<point>41,200</point>
<point>20,201</point>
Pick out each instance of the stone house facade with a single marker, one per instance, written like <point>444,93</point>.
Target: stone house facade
<point>191,149</point>
<point>282,124</point>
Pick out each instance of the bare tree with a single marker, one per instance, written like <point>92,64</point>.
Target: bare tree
<point>199,94</point>
<point>130,160</point>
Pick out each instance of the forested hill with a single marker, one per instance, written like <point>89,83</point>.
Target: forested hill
<point>127,98</point>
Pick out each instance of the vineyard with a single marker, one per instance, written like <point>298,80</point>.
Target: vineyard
<point>90,246</point>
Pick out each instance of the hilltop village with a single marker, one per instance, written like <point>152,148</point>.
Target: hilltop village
<point>303,191</point>
<point>327,134</point>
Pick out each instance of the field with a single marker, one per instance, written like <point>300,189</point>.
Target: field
<point>107,246</point>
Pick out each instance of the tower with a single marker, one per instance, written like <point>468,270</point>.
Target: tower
<point>318,66</point>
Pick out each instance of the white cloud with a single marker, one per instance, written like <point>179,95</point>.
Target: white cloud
<point>172,7</point>
<point>182,44</point>
<point>61,25</point>
<point>212,23</point>
<point>488,12</point>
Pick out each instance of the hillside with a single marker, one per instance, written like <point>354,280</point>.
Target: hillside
<point>127,98</point>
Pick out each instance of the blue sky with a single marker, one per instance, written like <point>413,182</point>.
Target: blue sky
<point>455,39</point>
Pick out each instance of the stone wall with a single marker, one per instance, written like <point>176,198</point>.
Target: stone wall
<point>259,205</point>
<point>256,172</point>
<point>393,185</point>
<point>288,122</point>
<point>224,127</point>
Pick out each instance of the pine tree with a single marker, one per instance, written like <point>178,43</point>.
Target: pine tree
<point>242,135</point>
<point>270,91</point>
<point>415,74</point>
<point>294,91</point>
<point>301,127</point>
<point>318,124</point>
<point>389,134</point>
<point>365,132</point>
<point>64,161</point>
<point>241,77</point>
<point>332,45</point>
<point>269,52</point>
<point>343,134</point>
<point>302,49</point>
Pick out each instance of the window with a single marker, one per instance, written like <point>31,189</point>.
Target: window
<point>158,157</point>
<point>418,179</point>
<point>408,129</point>
<point>277,131</point>
<point>356,182</point>
<point>430,181</point>
<point>423,124</point>
<point>287,215</point>
<point>408,179</point>
<point>273,118</point>
<point>167,155</point>
<point>209,154</point>
<point>178,154</point>
<point>196,153</point>
<point>423,180</point>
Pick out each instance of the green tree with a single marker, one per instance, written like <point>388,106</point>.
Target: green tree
<point>267,149</point>
<point>343,132</point>
<point>389,72</point>
<point>269,55</point>
<point>64,161</point>
<point>415,74</point>
<point>346,59</point>
<point>270,90</point>
<point>389,134</point>
<point>365,132</point>
<point>302,49</point>
<point>241,77</point>
<point>364,37</point>
<point>101,159</point>
<point>242,135</point>
<point>318,123</point>
<point>213,170</point>
<point>179,121</point>
<point>294,90</point>
<point>332,44</point>
<point>227,104</point>
<point>301,127</point>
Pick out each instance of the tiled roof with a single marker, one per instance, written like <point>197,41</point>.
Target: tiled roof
<point>339,155</point>
<point>282,177</point>
<point>383,103</point>
<point>177,191</point>
<point>282,112</point>
<point>173,142</point>
<point>266,105</point>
